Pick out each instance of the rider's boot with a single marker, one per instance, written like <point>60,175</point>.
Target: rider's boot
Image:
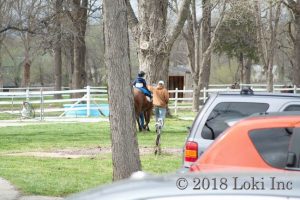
<point>149,99</point>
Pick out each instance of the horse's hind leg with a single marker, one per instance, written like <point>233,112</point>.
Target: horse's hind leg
<point>139,125</point>
<point>147,120</point>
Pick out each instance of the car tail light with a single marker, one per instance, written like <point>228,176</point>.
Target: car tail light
<point>191,152</point>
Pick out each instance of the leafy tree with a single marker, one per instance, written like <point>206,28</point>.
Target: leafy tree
<point>237,37</point>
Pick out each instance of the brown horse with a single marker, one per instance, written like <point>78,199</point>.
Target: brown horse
<point>141,105</point>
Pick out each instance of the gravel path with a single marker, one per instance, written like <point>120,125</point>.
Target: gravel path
<point>88,152</point>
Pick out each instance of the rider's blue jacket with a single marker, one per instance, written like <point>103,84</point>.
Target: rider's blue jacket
<point>140,83</point>
<point>140,80</point>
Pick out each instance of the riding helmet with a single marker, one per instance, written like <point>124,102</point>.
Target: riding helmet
<point>141,74</point>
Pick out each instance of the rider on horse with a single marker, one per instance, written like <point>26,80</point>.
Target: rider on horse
<point>141,84</point>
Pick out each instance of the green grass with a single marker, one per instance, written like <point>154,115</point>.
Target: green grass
<point>6,116</point>
<point>78,135</point>
<point>60,176</point>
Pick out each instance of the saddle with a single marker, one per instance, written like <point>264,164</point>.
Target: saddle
<point>145,92</point>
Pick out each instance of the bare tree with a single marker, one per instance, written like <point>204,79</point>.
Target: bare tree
<point>80,22</point>
<point>58,48</point>
<point>26,15</point>
<point>206,41</point>
<point>125,152</point>
<point>294,6</point>
<point>200,60</point>
<point>267,36</point>
<point>150,33</point>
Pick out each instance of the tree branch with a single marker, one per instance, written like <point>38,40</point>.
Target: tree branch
<point>182,16</point>
<point>16,29</point>
<point>133,21</point>
<point>290,32</point>
<point>291,4</point>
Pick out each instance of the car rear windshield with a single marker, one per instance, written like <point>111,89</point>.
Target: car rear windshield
<point>272,145</point>
<point>216,123</point>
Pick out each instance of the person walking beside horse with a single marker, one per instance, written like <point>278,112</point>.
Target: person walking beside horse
<point>160,100</point>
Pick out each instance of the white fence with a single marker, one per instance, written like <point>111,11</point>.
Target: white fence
<point>220,88</point>
<point>14,100</point>
<point>91,96</point>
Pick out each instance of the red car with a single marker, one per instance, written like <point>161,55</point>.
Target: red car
<point>265,142</point>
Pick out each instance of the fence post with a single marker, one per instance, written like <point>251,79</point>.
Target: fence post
<point>27,94</point>
<point>295,89</point>
<point>88,101</point>
<point>176,99</point>
<point>42,105</point>
<point>204,94</point>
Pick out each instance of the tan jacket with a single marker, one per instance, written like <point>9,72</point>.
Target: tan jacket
<point>160,96</point>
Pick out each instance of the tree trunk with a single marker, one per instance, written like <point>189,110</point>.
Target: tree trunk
<point>26,74</point>
<point>281,72</point>
<point>206,40</point>
<point>247,71</point>
<point>152,16</point>
<point>270,77</point>
<point>26,70</point>
<point>125,152</point>
<point>201,70</point>
<point>41,72</point>
<point>273,27</point>
<point>296,69</point>
<point>192,37</point>
<point>150,32</point>
<point>153,66</point>
<point>57,50</point>
<point>164,72</point>
<point>79,74</point>
<point>241,67</point>
<point>196,96</point>
<point>1,72</point>
<point>69,53</point>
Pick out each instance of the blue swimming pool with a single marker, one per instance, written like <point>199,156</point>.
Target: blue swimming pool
<point>95,110</point>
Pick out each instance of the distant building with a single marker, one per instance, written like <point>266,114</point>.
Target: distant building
<point>180,77</point>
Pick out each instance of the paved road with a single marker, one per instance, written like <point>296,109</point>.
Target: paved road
<point>9,192</point>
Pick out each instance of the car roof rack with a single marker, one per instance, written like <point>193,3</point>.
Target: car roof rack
<point>246,91</point>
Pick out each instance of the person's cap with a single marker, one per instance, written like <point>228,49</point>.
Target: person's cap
<point>161,82</point>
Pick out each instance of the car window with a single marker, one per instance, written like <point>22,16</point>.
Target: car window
<point>216,122</point>
<point>272,145</point>
<point>292,108</point>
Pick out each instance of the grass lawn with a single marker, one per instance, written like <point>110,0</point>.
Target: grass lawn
<point>77,135</point>
<point>62,176</point>
<point>6,116</point>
